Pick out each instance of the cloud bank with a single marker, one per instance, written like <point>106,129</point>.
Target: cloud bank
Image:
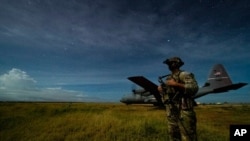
<point>17,85</point>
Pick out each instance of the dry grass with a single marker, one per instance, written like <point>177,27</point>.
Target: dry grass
<point>108,122</point>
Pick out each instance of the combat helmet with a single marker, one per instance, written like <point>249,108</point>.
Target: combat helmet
<point>174,62</point>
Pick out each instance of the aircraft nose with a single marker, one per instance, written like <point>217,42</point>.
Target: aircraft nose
<point>122,100</point>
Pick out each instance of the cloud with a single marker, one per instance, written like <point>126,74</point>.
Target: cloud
<point>17,85</point>
<point>17,79</point>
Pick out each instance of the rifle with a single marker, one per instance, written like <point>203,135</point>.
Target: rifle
<point>165,89</point>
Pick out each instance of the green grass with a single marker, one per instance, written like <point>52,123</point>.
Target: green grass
<point>108,122</point>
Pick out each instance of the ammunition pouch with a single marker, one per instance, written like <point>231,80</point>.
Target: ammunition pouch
<point>187,103</point>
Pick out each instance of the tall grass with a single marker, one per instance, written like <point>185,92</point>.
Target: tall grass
<point>108,122</point>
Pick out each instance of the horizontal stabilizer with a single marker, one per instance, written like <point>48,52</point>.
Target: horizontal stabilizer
<point>229,87</point>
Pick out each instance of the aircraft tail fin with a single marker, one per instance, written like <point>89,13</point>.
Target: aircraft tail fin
<point>218,81</point>
<point>218,77</point>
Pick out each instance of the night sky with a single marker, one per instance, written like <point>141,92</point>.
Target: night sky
<point>84,50</point>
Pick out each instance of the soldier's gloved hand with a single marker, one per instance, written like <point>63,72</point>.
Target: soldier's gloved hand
<point>173,83</point>
<point>159,89</point>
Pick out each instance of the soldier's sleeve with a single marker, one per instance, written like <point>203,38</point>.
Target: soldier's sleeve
<point>190,83</point>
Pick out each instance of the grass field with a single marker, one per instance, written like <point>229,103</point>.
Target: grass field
<point>108,122</point>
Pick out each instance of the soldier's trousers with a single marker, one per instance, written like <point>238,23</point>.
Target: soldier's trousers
<point>181,124</point>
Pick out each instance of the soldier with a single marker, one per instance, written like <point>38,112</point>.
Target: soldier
<point>177,93</point>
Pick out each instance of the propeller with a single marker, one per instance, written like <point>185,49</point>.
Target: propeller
<point>133,89</point>
<point>136,91</point>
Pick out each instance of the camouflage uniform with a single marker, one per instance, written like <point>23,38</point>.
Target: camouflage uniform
<point>179,107</point>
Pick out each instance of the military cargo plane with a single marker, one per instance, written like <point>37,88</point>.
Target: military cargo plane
<point>218,82</point>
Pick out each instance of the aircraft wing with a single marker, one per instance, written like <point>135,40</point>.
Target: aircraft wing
<point>148,86</point>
